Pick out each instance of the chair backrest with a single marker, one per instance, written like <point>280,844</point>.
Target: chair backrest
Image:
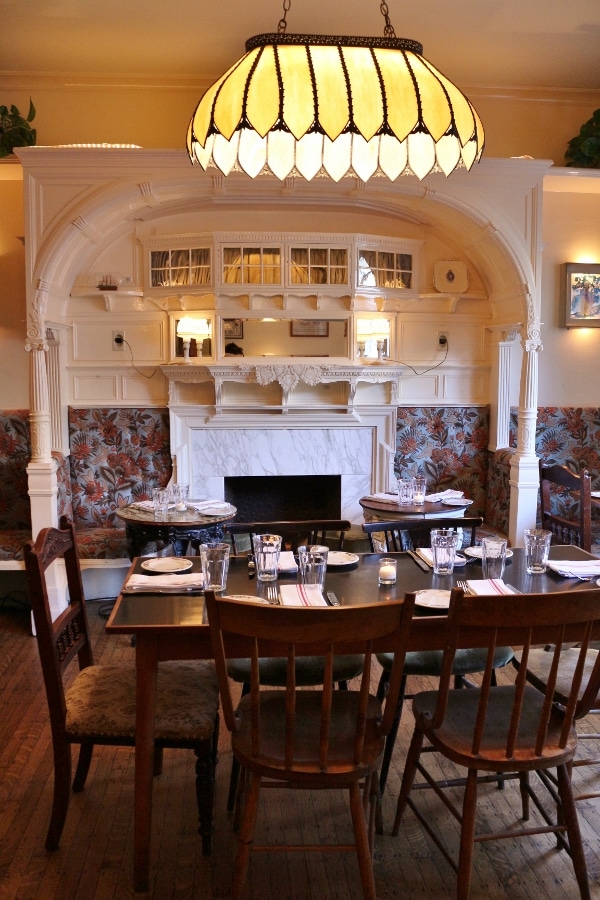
<point>60,641</point>
<point>566,505</point>
<point>259,630</point>
<point>526,620</point>
<point>419,531</point>
<point>305,531</point>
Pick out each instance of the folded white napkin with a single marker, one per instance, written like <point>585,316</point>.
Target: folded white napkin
<point>582,568</point>
<point>144,504</point>
<point>175,583</point>
<point>386,496</point>
<point>201,505</point>
<point>444,495</point>
<point>302,595</point>
<point>488,586</point>
<point>287,563</point>
<point>426,553</point>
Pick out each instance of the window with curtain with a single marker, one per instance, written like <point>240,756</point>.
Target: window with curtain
<point>179,267</point>
<point>252,265</point>
<point>319,265</point>
<point>383,268</point>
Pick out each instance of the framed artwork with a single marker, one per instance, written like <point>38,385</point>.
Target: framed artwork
<point>309,328</point>
<point>581,295</point>
<point>233,328</point>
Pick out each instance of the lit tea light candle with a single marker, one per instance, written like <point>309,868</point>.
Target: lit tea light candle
<point>387,571</point>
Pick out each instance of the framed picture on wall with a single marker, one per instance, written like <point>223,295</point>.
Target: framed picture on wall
<point>581,295</point>
<point>309,328</point>
<point>233,328</point>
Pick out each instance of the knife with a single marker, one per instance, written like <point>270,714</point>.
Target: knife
<point>333,600</point>
<point>420,562</point>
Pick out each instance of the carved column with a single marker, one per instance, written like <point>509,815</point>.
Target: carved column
<point>524,473</point>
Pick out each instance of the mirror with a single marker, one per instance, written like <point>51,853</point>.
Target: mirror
<point>285,337</point>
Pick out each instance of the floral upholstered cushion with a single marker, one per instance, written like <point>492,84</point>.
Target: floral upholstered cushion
<point>15,453</point>
<point>101,702</point>
<point>12,543</point>
<point>117,457</point>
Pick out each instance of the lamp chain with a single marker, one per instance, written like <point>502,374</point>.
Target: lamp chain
<point>389,28</point>
<point>281,27</point>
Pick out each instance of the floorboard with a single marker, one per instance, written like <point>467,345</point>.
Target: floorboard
<point>95,860</point>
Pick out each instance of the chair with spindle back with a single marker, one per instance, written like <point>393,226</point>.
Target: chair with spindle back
<point>561,492</point>
<point>511,730</point>
<point>293,533</point>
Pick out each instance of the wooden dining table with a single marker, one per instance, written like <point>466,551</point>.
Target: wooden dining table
<point>170,626</point>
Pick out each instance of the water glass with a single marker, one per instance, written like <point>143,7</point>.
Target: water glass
<point>419,490</point>
<point>444,542</point>
<point>314,567</point>
<point>215,565</point>
<point>180,496</point>
<point>267,548</point>
<point>537,548</point>
<point>405,491</point>
<point>161,503</point>
<point>387,570</point>
<point>493,557</point>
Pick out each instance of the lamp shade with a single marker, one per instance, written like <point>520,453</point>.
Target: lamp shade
<point>188,328</point>
<point>311,105</point>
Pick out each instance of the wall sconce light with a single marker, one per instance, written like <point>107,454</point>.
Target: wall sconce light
<point>189,328</point>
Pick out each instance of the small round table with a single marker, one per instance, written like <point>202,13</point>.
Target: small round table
<point>178,528</point>
<point>379,510</point>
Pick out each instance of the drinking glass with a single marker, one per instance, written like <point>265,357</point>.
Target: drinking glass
<point>493,557</point>
<point>444,542</point>
<point>215,565</point>
<point>180,496</point>
<point>537,548</point>
<point>161,502</point>
<point>267,548</point>
<point>312,563</point>
<point>405,491</point>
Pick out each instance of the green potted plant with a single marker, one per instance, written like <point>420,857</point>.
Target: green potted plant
<point>16,131</point>
<point>584,150</point>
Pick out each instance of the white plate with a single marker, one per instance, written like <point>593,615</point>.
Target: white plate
<point>340,558</point>
<point>432,598</point>
<point>476,552</point>
<point>456,501</point>
<point>251,597</point>
<point>167,564</point>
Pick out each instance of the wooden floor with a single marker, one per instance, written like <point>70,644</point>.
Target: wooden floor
<point>95,858</point>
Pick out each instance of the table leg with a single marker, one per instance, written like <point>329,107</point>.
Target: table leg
<point>146,659</point>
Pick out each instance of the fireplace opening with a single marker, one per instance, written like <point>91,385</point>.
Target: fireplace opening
<point>264,498</point>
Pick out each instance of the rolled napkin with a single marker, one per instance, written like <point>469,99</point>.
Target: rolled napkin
<point>444,495</point>
<point>571,568</point>
<point>302,595</point>
<point>426,553</point>
<point>287,563</point>
<point>177,584</point>
<point>219,505</point>
<point>488,586</point>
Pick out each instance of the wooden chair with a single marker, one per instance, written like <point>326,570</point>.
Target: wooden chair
<point>305,531</point>
<point>560,491</point>
<point>309,671</point>
<point>513,729</point>
<point>426,662</point>
<point>98,707</point>
<point>315,739</point>
<point>418,532</point>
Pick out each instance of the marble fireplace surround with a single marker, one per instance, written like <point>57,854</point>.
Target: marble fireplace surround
<point>283,423</point>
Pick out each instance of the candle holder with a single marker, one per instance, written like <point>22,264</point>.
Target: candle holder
<point>387,571</point>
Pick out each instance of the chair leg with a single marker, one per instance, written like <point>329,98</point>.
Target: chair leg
<point>62,793</point>
<point>361,837</point>
<point>382,687</point>
<point>246,838</point>
<point>391,738</point>
<point>205,791</point>
<point>467,835</point>
<point>565,789</point>
<point>235,768</point>
<point>86,749</point>
<point>410,770</point>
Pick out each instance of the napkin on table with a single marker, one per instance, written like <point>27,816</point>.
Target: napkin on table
<point>426,553</point>
<point>302,595</point>
<point>444,495</point>
<point>571,568</point>
<point>489,586</point>
<point>201,505</point>
<point>175,583</point>
<point>386,496</point>
<point>287,563</point>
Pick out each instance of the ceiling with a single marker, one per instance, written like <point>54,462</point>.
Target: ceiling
<point>477,43</point>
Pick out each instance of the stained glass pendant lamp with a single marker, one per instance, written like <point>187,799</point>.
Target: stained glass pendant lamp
<point>320,105</point>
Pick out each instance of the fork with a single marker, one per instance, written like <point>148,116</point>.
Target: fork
<point>273,595</point>
<point>464,586</point>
